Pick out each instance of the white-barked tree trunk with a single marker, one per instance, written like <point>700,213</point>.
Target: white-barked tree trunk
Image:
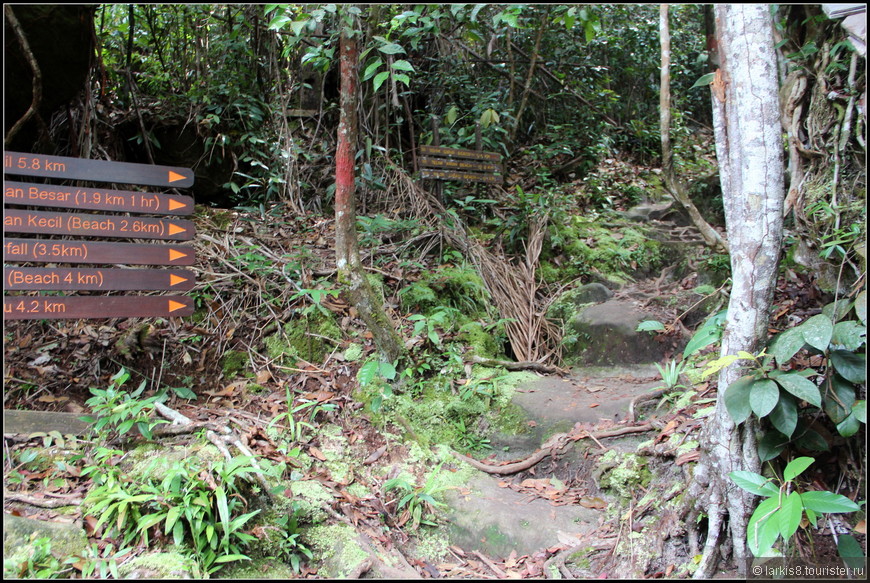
<point>749,148</point>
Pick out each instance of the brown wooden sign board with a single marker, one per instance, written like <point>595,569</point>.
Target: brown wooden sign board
<point>460,176</point>
<point>60,251</point>
<point>71,197</point>
<point>78,307</point>
<point>51,223</point>
<point>441,163</point>
<point>454,164</point>
<point>63,278</point>
<point>64,168</point>
<point>459,153</point>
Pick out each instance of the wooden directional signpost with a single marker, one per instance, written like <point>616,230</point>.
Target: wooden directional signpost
<point>441,163</point>
<point>65,251</point>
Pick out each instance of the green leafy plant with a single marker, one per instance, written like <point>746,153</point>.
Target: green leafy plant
<point>117,411</point>
<point>291,548</point>
<point>40,564</point>
<point>197,506</point>
<point>785,506</point>
<point>381,372</point>
<point>417,503</point>
<point>776,395</point>
<point>94,561</point>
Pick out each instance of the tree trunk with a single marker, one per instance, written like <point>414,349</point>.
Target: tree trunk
<point>350,270</point>
<point>749,147</point>
<point>532,64</point>
<point>674,186</point>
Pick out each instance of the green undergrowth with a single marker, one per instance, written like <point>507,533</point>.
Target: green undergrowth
<point>611,248</point>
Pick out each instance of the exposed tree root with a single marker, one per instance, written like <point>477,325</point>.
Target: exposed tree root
<point>552,446</point>
<point>523,365</point>
<point>41,502</point>
<point>219,441</point>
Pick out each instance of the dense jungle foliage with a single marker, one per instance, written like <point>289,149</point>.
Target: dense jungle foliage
<point>568,95</point>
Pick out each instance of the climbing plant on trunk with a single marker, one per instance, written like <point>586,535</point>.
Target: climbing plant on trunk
<point>350,270</point>
<point>750,154</point>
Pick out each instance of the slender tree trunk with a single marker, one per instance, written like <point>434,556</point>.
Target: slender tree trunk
<point>350,270</point>
<point>749,148</point>
<point>673,184</point>
<point>532,64</point>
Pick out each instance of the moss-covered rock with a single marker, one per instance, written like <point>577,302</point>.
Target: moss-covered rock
<point>161,565</point>
<point>622,473</point>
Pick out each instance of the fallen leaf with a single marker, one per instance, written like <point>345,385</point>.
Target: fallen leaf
<point>861,527</point>
<point>316,453</point>
<point>593,405</point>
<point>375,455</point>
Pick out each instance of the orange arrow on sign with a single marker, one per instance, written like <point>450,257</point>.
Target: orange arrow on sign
<point>175,255</point>
<point>174,306</point>
<point>175,176</point>
<point>176,279</point>
<point>175,229</point>
<point>174,204</point>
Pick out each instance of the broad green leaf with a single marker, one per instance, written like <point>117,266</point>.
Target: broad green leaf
<point>402,78</point>
<point>848,426</point>
<point>223,509</point>
<point>852,366</point>
<point>763,529</point>
<point>171,518</point>
<point>861,307</point>
<point>839,399</point>
<point>149,520</point>
<point>763,397</point>
<point>802,388</point>
<point>380,78</point>
<point>851,552</point>
<point>859,410</point>
<point>850,335</point>
<point>650,326</point>
<point>810,439</point>
<point>402,65</point>
<point>452,114</point>
<point>716,365</point>
<point>704,80</point>
<point>784,416</point>
<point>391,49</point>
<point>754,483</point>
<point>178,532</point>
<point>737,398</point>
<point>837,310</point>
<point>827,502</point>
<point>709,333</point>
<point>771,445</point>
<point>230,558</point>
<point>372,69</point>
<point>817,331</point>
<point>796,467</point>
<point>789,515</point>
<point>786,344</point>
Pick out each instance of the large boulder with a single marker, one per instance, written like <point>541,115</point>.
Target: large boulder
<point>606,334</point>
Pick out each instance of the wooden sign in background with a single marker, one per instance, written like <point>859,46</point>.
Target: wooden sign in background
<point>26,307</point>
<point>441,163</point>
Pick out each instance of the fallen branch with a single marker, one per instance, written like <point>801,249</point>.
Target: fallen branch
<point>552,446</point>
<point>521,365</point>
<point>41,502</point>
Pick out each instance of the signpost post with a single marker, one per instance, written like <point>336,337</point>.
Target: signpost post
<point>65,251</point>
